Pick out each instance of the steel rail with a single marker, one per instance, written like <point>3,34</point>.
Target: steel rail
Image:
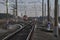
<point>8,36</point>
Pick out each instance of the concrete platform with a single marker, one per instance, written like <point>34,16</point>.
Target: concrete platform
<point>43,35</point>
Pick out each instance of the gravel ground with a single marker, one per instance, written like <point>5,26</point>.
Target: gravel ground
<point>42,35</point>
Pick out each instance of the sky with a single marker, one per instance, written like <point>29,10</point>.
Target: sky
<point>31,6</point>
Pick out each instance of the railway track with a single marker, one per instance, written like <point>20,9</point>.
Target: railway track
<point>21,34</point>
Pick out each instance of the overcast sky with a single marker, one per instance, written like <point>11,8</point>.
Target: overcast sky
<point>31,6</point>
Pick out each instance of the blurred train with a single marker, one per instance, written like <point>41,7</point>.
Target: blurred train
<point>25,17</point>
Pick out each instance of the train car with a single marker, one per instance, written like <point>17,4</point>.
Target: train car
<point>25,17</point>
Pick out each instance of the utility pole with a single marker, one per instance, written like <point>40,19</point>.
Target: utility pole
<point>35,9</point>
<point>58,10</point>
<point>16,10</point>
<point>43,10</point>
<point>13,11</point>
<point>7,12</point>
<point>48,16</point>
<point>16,7</point>
<point>21,15</point>
<point>25,8</point>
<point>7,7</point>
<point>48,10</point>
<point>25,12</point>
<point>56,19</point>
